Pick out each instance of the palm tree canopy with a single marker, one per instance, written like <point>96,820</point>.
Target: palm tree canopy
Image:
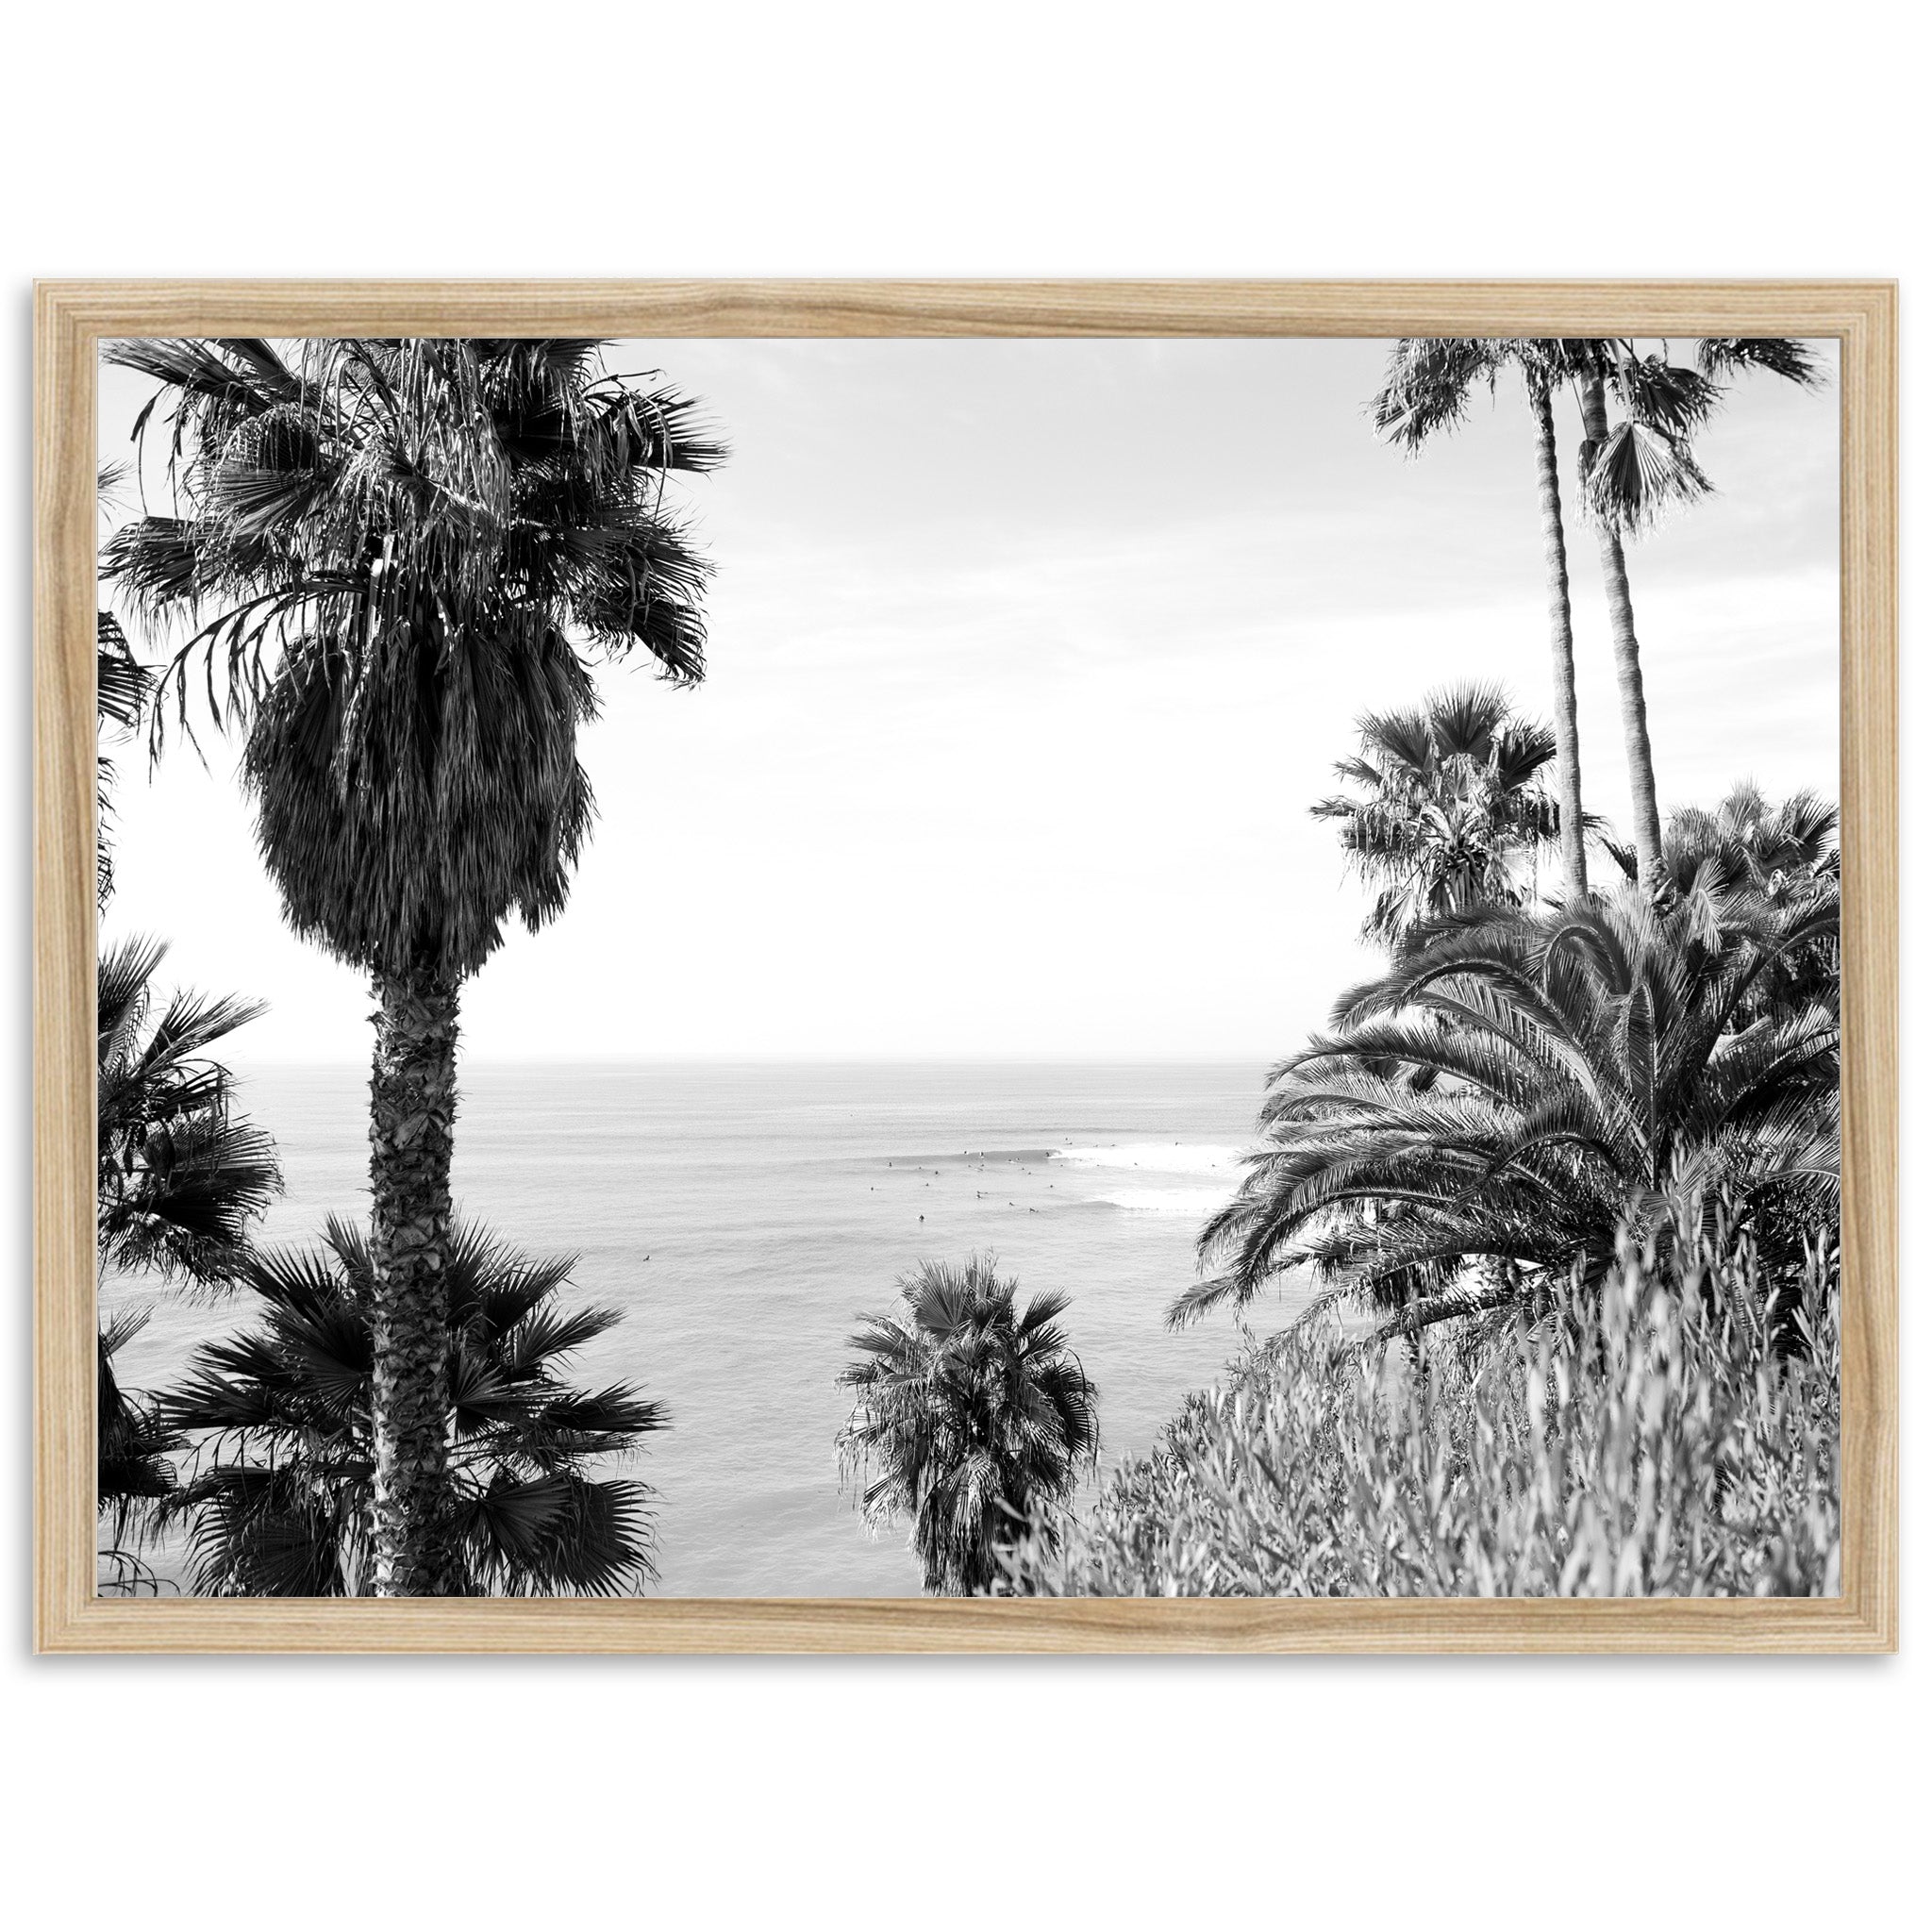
<point>280,1500</point>
<point>1646,465</point>
<point>1448,804</point>
<point>1429,381</point>
<point>181,1180</point>
<point>1775,848</point>
<point>399,557</point>
<point>970,1412</point>
<point>1772,855</point>
<point>1524,1085</point>
<point>1721,356</point>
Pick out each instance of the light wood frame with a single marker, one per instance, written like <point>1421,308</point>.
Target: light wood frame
<point>73,317</point>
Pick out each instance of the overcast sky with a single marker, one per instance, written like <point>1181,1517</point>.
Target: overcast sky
<point>1027,658</point>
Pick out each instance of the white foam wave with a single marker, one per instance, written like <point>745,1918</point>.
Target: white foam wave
<point>1157,1156</point>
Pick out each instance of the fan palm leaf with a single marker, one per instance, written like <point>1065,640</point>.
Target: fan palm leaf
<point>281,1495</point>
<point>1446,810</point>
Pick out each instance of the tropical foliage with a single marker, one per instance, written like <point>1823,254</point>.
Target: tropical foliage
<point>280,1498</point>
<point>970,1412</point>
<point>1427,392</point>
<point>1632,469</point>
<point>181,1177</point>
<point>1521,1087</point>
<point>1672,1430</point>
<point>1774,857</point>
<point>402,557</point>
<point>399,560</point>
<point>1446,811</point>
<point>180,1182</point>
<point>134,1465</point>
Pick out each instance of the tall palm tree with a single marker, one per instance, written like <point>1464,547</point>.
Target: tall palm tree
<point>1631,471</point>
<point>971,1414</point>
<point>280,1500</point>
<point>1447,804</point>
<point>404,557</point>
<point>1427,392</point>
<point>1601,1064</point>
<point>181,1178</point>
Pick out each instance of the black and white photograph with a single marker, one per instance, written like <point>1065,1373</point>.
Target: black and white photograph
<point>1055,967</point>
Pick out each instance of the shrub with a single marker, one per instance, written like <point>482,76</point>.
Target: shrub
<point>1668,1432</point>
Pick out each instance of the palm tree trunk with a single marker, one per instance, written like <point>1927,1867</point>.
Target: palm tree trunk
<point>1646,830</point>
<point>411,1121</point>
<point>1562,651</point>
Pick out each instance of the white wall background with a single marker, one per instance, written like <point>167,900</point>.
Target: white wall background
<point>1008,140</point>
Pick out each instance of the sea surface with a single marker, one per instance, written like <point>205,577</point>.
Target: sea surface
<point>742,1216</point>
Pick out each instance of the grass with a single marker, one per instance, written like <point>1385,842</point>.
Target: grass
<point>1673,1431</point>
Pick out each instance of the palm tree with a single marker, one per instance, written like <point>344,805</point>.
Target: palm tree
<point>1777,850</point>
<point>971,1416</point>
<point>281,1499</point>
<point>406,554</point>
<point>1774,856</point>
<point>1631,472</point>
<point>1599,1065</point>
<point>181,1178</point>
<point>180,1181</point>
<point>1427,391</point>
<point>1446,806</point>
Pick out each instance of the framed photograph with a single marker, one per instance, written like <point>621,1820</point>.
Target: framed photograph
<point>966,966</point>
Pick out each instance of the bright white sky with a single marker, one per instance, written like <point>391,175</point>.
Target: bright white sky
<point>1027,658</point>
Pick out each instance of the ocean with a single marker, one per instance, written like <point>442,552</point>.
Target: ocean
<point>742,1216</point>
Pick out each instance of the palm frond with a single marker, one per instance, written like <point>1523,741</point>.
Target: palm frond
<point>1527,1082</point>
<point>1639,472</point>
<point>971,1415</point>
<point>280,1500</point>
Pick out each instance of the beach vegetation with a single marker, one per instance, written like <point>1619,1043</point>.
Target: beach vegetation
<point>970,1412</point>
<point>1484,1119</point>
<point>1670,1428</point>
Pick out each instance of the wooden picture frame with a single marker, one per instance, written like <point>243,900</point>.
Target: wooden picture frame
<point>73,317</point>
